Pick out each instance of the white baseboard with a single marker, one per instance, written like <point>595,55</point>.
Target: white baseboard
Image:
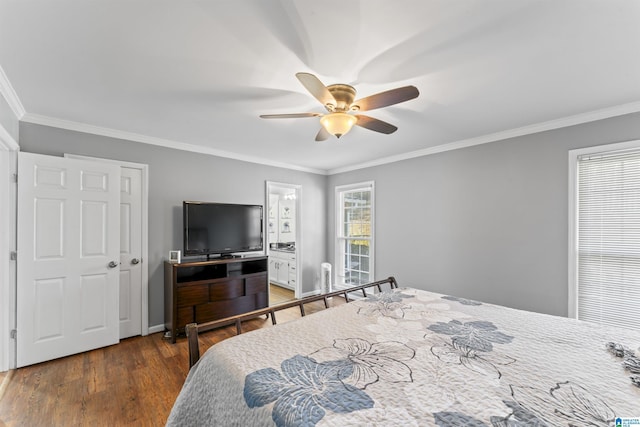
<point>308,294</point>
<point>156,328</point>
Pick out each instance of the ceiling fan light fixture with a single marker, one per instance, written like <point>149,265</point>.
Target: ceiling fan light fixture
<point>339,98</point>
<point>338,124</point>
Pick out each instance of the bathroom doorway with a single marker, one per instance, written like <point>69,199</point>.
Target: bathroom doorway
<point>284,240</point>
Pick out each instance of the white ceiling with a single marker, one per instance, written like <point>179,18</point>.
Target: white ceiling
<point>196,74</point>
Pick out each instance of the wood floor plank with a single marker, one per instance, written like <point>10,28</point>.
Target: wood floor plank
<point>132,383</point>
<point>278,294</point>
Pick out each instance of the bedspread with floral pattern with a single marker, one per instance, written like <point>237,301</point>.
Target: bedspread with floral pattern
<point>411,357</point>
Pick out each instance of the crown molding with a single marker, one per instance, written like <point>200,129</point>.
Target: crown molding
<point>167,143</point>
<point>6,89</point>
<point>605,113</point>
<point>591,116</point>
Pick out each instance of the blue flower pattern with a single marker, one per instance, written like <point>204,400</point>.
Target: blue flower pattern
<point>387,304</point>
<point>462,301</point>
<point>478,335</point>
<point>304,391</point>
<point>456,419</point>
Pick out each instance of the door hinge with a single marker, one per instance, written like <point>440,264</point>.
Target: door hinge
<point>13,255</point>
<point>13,334</point>
<point>14,177</point>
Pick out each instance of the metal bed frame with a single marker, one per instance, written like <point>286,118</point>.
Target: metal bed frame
<point>193,329</point>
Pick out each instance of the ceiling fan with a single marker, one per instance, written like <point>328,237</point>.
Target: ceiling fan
<point>338,99</point>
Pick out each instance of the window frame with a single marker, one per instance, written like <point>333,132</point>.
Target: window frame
<point>339,238</point>
<point>574,155</point>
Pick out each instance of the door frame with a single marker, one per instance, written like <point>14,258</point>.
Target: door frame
<point>8,191</point>
<point>298,190</point>
<point>144,168</point>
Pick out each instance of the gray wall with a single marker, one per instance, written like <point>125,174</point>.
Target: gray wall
<point>488,222</point>
<point>175,176</point>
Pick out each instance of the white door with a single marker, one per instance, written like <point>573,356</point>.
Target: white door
<point>133,243</point>
<point>68,253</point>
<point>130,252</point>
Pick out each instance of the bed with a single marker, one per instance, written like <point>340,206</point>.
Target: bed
<point>411,357</point>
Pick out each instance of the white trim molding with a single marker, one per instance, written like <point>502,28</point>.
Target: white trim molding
<point>167,143</point>
<point>6,140</point>
<point>311,293</point>
<point>8,215</point>
<point>574,155</point>
<point>592,116</point>
<point>7,91</point>
<point>269,185</point>
<point>338,235</point>
<point>156,328</point>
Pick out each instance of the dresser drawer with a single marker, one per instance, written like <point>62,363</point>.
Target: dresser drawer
<point>221,309</point>
<point>202,291</point>
<point>189,295</point>
<point>226,290</point>
<point>256,284</point>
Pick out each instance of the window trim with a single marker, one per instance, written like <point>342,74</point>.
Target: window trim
<point>574,155</point>
<point>338,234</point>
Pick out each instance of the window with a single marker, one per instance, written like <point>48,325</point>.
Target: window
<point>605,250</point>
<point>354,234</point>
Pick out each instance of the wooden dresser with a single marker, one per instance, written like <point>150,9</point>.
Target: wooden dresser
<point>209,290</point>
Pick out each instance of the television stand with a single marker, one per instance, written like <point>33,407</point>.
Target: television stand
<point>202,291</point>
<point>222,256</point>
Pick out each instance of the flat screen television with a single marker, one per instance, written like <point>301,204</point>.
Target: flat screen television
<point>221,228</point>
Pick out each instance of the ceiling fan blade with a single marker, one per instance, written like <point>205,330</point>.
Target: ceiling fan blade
<point>384,99</point>
<point>375,124</point>
<point>289,116</point>
<point>323,134</point>
<point>316,88</point>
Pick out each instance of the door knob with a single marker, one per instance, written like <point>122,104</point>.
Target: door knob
<point>113,264</point>
<point>135,261</point>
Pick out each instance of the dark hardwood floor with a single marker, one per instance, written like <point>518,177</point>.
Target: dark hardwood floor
<point>133,383</point>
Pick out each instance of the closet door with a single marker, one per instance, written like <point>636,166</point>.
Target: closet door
<point>130,252</point>
<point>68,256</point>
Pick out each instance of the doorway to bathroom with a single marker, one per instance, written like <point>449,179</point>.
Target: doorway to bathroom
<point>284,240</point>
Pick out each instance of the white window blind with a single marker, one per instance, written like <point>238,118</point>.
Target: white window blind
<point>608,243</point>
